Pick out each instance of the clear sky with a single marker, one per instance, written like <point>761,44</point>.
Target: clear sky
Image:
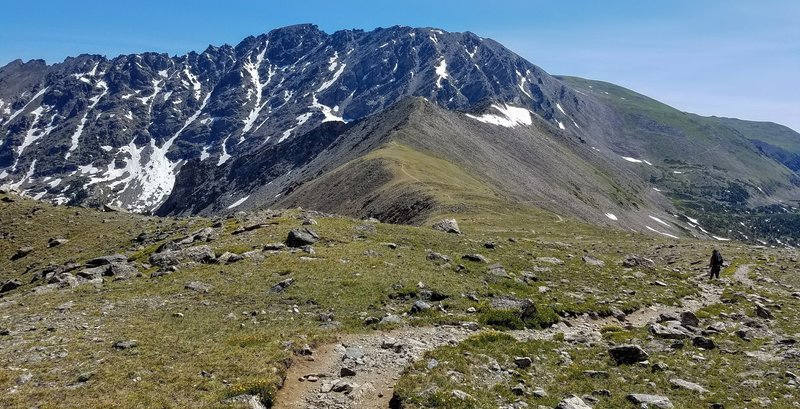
<point>714,57</point>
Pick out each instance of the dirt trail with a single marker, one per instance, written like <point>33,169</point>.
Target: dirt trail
<point>379,368</point>
<point>376,372</point>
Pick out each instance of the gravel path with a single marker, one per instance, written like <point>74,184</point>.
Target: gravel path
<point>378,359</point>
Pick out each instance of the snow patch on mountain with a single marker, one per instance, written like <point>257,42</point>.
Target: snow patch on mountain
<point>510,116</point>
<point>238,202</point>
<point>79,130</point>
<point>441,72</point>
<point>661,232</point>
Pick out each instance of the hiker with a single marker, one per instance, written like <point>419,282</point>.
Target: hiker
<point>715,264</point>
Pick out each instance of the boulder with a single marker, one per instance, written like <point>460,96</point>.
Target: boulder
<point>123,345</point>
<point>21,252</point>
<point>689,319</point>
<point>447,226</point>
<point>523,362</point>
<point>299,238</point>
<point>573,402</point>
<point>198,254</point>
<point>277,288</point>
<point>524,308</point>
<point>93,273</point>
<point>248,401</point>
<point>106,260</point>
<point>691,386</point>
<point>477,258</point>
<point>628,354</point>
<point>10,285</point>
<point>198,286</point>
<point>419,306</point>
<point>661,402</point>
<point>703,343</point>
<point>592,261</point>
<point>437,257</point>
<point>763,312</point>
<point>672,330</point>
<point>122,271</point>
<point>54,242</point>
<point>634,261</point>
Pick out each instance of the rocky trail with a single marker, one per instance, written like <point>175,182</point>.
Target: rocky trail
<point>359,371</point>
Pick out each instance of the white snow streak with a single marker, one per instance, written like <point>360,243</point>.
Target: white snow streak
<point>724,239</point>
<point>79,131</point>
<point>522,80</point>
<point>34,98</point>
<point>660,221</point>
<point>441,72</point>
<point>560,109</point>
<point>661,232</point>
<point>509,117</point>
<point>611,216</point>
<point>327,111</point>
<point>301,120</point>
<point>238,202</point>
<point>255,78</point>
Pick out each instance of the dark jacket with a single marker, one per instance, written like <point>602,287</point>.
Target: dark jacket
<point>716,259</point>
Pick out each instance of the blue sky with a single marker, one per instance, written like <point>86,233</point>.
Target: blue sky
<point>713,57</point>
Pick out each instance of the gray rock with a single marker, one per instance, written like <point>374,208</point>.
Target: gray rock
<point>596,374</point>
<point>343,387</point>
<point>460,395</point>
<point>573,402</point>
<point>550,260</point>
<point>703,342</point>
<point>633,261</point>
<point>10,285</point>
<point>391,319</point>
<point>251,401</point>
<point>123,345</point>
<point>197,254</point>
<point>121,271</point>
<point>671,331</point>
<point>628,354</point>
<point>593,261</point>
<point>299,238</point>
<point>524,308</point>
<point>668,316</point>
<point>274,247</point>
<point>498,270</point>
<point>420,306</point>
<point>198,286</point>
<point>106,260</point>
<point>93,273</point>
<point>437,257</point>
<point>477,258</point>
<point>447,226</point>
<point>56,241</point>
<point>661,402</point>
<point>21,252</point>
<point>277,288</point>
<point>523,362</point>
<point>691,386</point>
<point>346,372</point>
<point>689,319</point>
<point>763,312</point>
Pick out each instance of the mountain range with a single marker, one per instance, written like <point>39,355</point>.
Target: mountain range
<point>398,124</point>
